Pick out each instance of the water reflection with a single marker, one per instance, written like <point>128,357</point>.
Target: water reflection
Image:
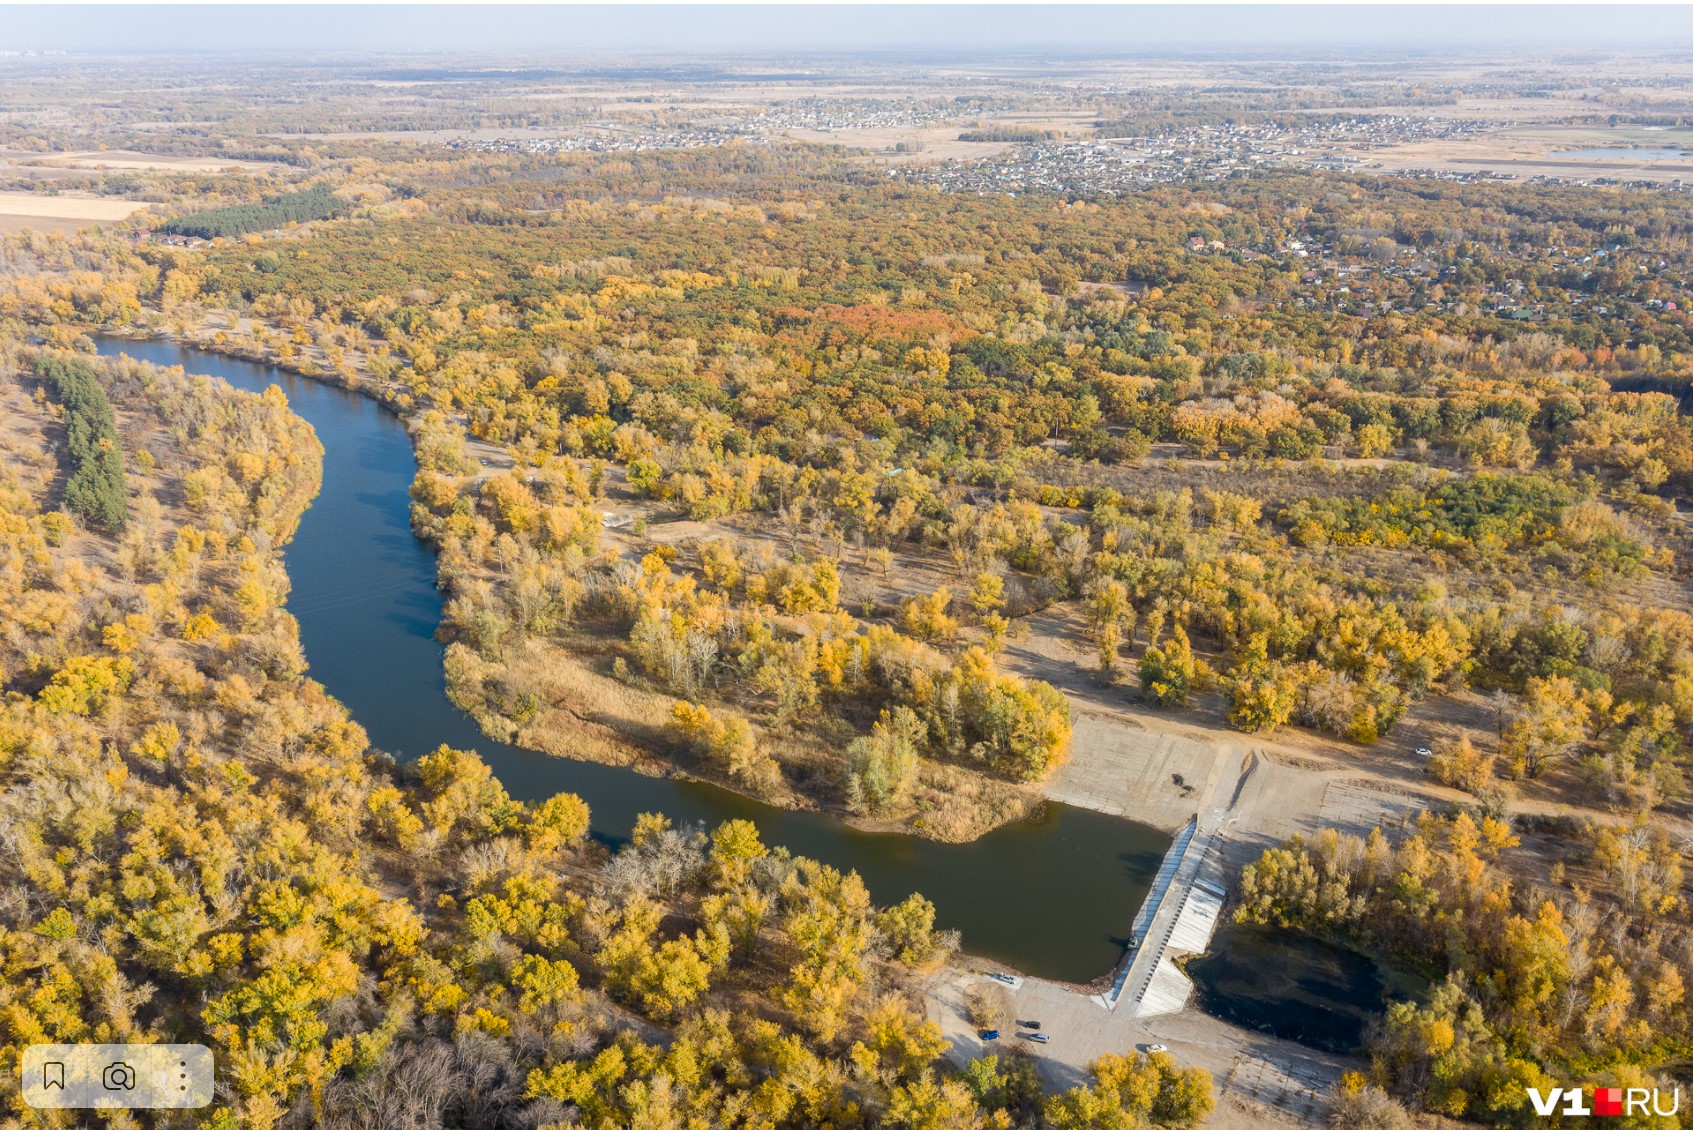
<point>1053,896</point>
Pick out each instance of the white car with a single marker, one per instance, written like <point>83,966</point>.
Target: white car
<point>1151,1048</point>
<point>1423,751</point>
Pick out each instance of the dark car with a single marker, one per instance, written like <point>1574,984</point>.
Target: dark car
<point>990,1034</point>
<point>1033,1025</point>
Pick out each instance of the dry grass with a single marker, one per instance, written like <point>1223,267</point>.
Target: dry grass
<point>27,432</point>
<point>32,454</point>
<point>130,160</point>
<point>581,714</point>
<point>20,210</point>
<point>926,144</point>
<point>957,805</point>
<point>1528,151</point>
<point>586,715</point>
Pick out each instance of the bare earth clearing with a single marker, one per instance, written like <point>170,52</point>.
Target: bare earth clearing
<point>1260,1080</point>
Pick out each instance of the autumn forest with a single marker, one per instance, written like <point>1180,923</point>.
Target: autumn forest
<point>765,466</point>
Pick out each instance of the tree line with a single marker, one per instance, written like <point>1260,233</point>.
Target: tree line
<point>96,487</point>
<point>317,203</point>
<point>1545,970</point>
<point>358,939</point>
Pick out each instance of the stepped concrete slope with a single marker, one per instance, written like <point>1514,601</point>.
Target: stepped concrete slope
<point>1180,914</point>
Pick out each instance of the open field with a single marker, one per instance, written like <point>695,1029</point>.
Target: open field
<point>1530,151</point>
<point>126,160</point>
<point>433,136</point>
<point>933,143</point>
<point>20,210</point>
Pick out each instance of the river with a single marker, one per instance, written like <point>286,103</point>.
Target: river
<point>1052,896</point>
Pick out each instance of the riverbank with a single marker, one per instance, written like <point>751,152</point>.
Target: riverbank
<point>1052,894</point>
<point>1152,767</point>
<point>576,709</point>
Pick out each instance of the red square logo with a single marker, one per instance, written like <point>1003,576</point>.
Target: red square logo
<point>1608,1100</point>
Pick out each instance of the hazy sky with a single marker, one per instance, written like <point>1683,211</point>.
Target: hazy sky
<point>588,30</point>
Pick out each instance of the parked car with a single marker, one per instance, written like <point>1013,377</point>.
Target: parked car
<point>1038,1037</point>
<point>1031,1024</point>
<point>1151,1048</point>
<point>1423,751</point>
<point>989,1034</point>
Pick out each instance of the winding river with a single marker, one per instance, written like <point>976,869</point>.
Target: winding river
<point>1052,896</point>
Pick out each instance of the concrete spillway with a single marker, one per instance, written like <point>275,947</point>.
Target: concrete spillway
<point>1179,916</point>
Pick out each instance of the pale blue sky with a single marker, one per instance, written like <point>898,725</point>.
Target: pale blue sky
<point>588,30</point>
